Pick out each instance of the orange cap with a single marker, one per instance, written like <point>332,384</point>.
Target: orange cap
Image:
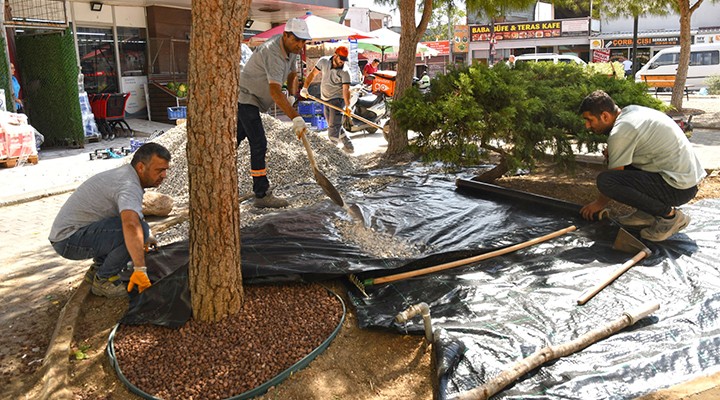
<point>342,52</point>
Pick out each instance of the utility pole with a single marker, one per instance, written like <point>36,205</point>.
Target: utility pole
<point>633,56</point>
<point>451,32</point>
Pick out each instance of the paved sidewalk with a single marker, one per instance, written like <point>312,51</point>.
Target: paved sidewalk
<point>62,170</point>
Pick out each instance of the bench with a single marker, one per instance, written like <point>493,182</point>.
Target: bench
<point>662,81</point>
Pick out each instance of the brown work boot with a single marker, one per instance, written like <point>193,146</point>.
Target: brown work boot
<point>270,201</point>
<point>111,287</point>
<point>663,228</point>
<point>637,219</point>
<point>347,144</point>
<point>90,274</point>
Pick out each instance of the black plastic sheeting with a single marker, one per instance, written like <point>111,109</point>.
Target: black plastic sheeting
<point>495,312</point>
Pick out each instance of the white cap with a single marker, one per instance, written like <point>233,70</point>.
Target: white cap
<point>298,27</point>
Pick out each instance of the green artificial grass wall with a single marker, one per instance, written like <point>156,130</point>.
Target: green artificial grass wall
<point>50,90</point>
<point>5,75</point>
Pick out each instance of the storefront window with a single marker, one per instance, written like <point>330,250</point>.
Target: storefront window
<point>132,43</point>
<point>97,59</point>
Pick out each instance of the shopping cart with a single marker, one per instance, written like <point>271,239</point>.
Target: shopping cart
<point>109,111</point>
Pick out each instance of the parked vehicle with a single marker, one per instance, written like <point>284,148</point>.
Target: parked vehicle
<point>549,57</point>
<point>368,105</point>
<point>704,63</point>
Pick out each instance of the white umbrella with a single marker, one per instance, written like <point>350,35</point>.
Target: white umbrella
<point>320,29</point>
<point>386,39</point>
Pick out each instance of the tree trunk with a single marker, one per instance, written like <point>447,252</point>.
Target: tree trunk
<point>686,12</point>
<point>215,278</point>
<point>409,37</point>
<point>678,90</point>
<point>494,174</point>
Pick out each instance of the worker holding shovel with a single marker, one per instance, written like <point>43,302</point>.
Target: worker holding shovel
<point>334,90</point>
<point>652,166</point>
<point>261,80</point>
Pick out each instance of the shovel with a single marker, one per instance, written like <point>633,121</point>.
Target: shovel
<point>327,186</point>
<point>320,178</point>
<point>355,116</point>
<point>624,242</point>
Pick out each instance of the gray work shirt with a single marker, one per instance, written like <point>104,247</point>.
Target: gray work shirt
<point>651,141</point>
<point>102,196</point>
<point>333,79</point>
<point>270,63</point>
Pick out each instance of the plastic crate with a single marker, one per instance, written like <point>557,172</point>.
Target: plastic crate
<point>308,118</point>
<point>319,122</point>
<point>305,107</point>
<point>177,112</point>
<point>317,108</point>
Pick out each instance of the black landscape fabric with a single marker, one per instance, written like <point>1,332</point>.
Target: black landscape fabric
<point>492,313</point>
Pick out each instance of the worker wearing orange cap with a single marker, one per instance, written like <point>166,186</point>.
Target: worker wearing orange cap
<point>335,90</point>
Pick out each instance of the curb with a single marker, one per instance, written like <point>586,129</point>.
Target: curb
<point>36,195</point>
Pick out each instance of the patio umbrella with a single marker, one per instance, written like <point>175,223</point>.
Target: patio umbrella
<point>320,29</point>
<point>386,39</point>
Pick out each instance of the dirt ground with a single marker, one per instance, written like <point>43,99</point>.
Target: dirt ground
<point>358,365</point>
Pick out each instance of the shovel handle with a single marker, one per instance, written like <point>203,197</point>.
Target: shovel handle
<point>464,261</point>
<point>588,294</point>
<point>325,103</point>
<point>310,154</point>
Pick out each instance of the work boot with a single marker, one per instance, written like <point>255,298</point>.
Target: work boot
<point>111,287</point>
<point>90,274</point>
<point>637,219</point>
<point>347,144</point>
<point>663,228</point>
<point>270,201</point>
<point>334,140</point>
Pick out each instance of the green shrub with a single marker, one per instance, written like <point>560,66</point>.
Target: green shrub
<point>520,114</point>
<point>714,84</point>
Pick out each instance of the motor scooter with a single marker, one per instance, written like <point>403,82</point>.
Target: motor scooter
<point>371,106</point>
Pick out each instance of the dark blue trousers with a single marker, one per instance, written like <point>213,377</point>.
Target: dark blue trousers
<point>249,125</point>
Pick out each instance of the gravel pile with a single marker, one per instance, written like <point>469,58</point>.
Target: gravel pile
<point>288,167</point>
<point>277,327</point>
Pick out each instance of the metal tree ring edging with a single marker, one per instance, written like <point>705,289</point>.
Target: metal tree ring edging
<point>302,363</point>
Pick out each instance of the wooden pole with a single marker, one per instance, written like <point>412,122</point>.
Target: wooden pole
<point>588,294</point>
<point>469,260</point>
<point>551,353</point>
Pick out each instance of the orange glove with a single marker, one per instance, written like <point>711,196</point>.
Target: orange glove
<point>140,278</point>
<point>347,111</point>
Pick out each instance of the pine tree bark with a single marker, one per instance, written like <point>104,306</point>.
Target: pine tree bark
<point>215,277</point>
<point>686,11</point>
<point>409,37</point>
<point>681,76</point>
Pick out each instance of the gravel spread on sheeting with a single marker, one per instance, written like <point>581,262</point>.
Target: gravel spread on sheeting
<point>290,177</point>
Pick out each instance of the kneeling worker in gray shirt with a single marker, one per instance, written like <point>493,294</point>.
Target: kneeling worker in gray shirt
<point>261,80</point>
<point>103,220</point>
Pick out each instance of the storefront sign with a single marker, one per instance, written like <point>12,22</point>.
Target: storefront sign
<point>651,41</point>
<point>442,46</point>
<point>699,39</point>
<point>601,55</point>
<point>461,38</point>
<point>522,30</point>
<point>596,44</point>
<point>575,27</point>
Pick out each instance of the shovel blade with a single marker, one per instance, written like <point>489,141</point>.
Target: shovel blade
<point>628,243</point>
<point>328,187</point>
